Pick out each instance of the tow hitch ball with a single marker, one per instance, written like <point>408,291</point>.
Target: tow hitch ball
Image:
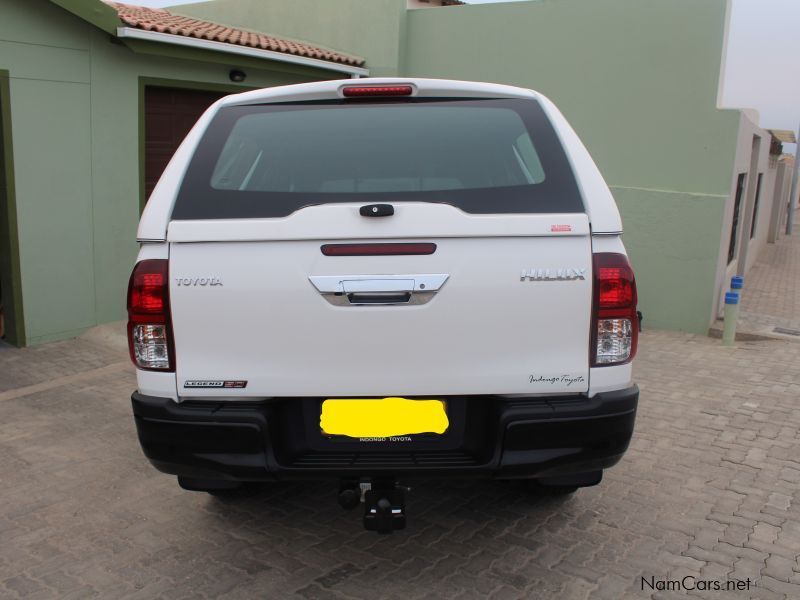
<point>384,503</point>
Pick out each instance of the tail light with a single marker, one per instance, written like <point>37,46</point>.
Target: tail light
<point>367,91</point>
<point>149,327</point>
<point>615,326</point>
<point>399,249</point>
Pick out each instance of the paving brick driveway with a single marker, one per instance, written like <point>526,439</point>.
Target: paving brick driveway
<point>710,487</point>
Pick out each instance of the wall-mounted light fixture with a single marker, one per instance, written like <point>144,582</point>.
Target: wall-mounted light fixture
<point>237,76</point>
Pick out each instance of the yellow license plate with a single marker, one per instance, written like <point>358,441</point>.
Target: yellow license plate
<point>384,417</point>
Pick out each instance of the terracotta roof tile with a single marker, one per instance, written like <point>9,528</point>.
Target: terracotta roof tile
<point>163,21</point>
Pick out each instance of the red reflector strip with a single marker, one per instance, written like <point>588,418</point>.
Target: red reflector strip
<point>377,249</point>
<point>386,90</point>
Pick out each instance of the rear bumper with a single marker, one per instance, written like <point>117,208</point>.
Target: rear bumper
<point>489,436</point>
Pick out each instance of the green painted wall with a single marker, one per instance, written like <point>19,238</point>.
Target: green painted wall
<point>673,241</point>
<point>638,80</point>
<point>373,29</point>
<point>75,116</point>
<point>48,66</point>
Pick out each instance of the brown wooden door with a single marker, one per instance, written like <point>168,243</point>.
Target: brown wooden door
<point>169,114</point>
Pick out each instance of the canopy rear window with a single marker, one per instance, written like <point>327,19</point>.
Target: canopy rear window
<point>483,156</point>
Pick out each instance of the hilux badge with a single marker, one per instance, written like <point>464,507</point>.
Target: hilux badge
<point>563,274</point>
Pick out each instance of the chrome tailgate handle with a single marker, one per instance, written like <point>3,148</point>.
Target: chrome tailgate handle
<point>371,286</point>
<point>346,290</point>
<point>364,298</point>
<point>378,291</point>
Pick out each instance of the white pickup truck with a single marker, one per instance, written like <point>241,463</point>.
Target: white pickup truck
<point>377,279</point>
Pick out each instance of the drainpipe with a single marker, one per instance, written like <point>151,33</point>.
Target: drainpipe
<point>731,316</point>
<point>793,193</point>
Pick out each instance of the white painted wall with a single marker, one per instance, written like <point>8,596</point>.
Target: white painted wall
<point>748,130</point>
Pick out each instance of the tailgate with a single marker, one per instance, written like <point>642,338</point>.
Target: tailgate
<point>502,306</point>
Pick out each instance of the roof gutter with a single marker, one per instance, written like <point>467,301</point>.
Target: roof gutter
<point>190,42</point>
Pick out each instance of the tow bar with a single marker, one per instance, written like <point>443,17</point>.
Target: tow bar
<point>384,502</point>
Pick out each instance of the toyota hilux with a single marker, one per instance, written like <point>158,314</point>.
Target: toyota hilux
<point>379,280</point>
